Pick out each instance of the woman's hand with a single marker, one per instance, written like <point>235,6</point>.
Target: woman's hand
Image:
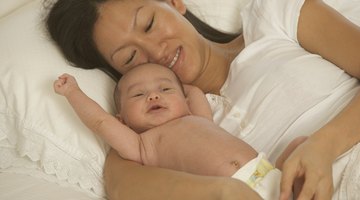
<point>313,160</point>
<point>311,164</point>
<point>129,180</point>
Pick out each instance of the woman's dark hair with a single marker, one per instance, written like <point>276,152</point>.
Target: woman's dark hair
<point>209,32</point>
<point>70,24</point>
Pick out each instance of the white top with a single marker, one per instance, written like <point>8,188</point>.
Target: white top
<point>276,90</point>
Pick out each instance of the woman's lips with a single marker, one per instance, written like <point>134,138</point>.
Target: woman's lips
<point>176,58</point>
<point>179,62</point>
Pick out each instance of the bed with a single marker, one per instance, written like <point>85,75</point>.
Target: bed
<point>45,151</point>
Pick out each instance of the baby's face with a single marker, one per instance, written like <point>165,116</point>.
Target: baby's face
<point>150,96</point>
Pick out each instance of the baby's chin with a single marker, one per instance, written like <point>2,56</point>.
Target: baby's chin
<point>158,120</point>
<point>157,123</point>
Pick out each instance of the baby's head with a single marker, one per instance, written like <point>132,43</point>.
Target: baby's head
<point>149,95</point>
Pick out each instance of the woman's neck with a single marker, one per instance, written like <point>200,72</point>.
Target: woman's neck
<point>217,69</point>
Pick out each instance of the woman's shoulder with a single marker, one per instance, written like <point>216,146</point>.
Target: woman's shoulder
<point>271,17</point>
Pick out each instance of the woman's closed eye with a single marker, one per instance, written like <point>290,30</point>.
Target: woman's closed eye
<point>134,52</point>
<point>150,25</point>
<point>132,56</point>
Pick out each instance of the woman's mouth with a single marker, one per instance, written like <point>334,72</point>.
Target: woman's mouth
<point>175,59</point>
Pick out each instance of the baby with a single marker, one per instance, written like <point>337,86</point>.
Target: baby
<point>162,123</point>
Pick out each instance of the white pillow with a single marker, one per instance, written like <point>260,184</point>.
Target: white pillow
<point>36,124</point>
<point>7,6</point>
<point>223,15</point>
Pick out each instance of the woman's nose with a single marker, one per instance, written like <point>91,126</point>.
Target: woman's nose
<point>153,96</point>
<point>156,50</point>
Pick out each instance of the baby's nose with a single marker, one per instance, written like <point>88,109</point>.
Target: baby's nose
<point>153,96</point>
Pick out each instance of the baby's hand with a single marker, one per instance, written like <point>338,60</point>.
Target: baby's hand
<point>65,84</point>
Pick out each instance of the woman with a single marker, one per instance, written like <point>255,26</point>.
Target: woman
<point>262,71</point>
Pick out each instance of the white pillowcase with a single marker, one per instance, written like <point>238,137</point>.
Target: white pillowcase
<point>38,128</point>
<point>36,123</point>
<point>223,15</point>
<point>7,6</point>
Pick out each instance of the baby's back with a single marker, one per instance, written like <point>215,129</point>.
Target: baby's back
<point>196,145</point>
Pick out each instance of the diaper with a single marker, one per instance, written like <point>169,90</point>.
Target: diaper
<point>262,176</point>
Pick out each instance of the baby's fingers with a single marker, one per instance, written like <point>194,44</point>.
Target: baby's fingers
<point>57,84</point>
<point>65,75</point>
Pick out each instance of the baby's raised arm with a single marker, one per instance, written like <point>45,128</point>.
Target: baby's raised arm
<point>124,140</point>
<point>197,102</point>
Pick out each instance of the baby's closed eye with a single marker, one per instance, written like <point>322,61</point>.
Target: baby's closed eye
<point>166,89</point>
<point>137,95</point>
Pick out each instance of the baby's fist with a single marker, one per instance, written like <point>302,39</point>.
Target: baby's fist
<point>65,84</point>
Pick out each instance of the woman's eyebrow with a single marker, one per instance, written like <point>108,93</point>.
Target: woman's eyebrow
<point>133,25</point>
<point>136,16</point>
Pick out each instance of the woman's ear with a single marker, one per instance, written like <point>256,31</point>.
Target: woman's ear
<point>178,5</point>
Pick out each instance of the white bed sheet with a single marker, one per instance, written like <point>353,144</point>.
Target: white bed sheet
<point>24,187</point>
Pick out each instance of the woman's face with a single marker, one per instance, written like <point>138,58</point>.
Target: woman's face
<point>132,32</point>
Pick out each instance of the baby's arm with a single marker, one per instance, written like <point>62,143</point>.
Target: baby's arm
<point>197,102</point>
<point>124,140</point>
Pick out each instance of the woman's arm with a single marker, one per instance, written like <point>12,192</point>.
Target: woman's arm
<point>129,180</point>
<point>197,102</point>
<point>324,31</point>
<point>314,158</point>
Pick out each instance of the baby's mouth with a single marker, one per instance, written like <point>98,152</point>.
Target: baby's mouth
<point>155,108</point>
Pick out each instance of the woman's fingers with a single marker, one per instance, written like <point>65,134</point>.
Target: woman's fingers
<point>310,186</point>
<point>316,188</point>
<point>317,177</point>
<point>326,191</point>
<point>289,174</point>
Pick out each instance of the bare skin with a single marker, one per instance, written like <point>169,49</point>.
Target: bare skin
<point>185,141</point>
<point>318,32</point>
<point>181,144</point>
<point>125,176</point>
<point>324,31</point>
<point>321,30</point>
<point>158,125</point>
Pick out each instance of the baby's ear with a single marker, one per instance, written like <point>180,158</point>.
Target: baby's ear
<point>187,100</point>
<point>189,105</point>
<point>118,116</point>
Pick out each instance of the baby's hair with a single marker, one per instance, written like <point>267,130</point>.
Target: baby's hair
<point>117,95</point>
